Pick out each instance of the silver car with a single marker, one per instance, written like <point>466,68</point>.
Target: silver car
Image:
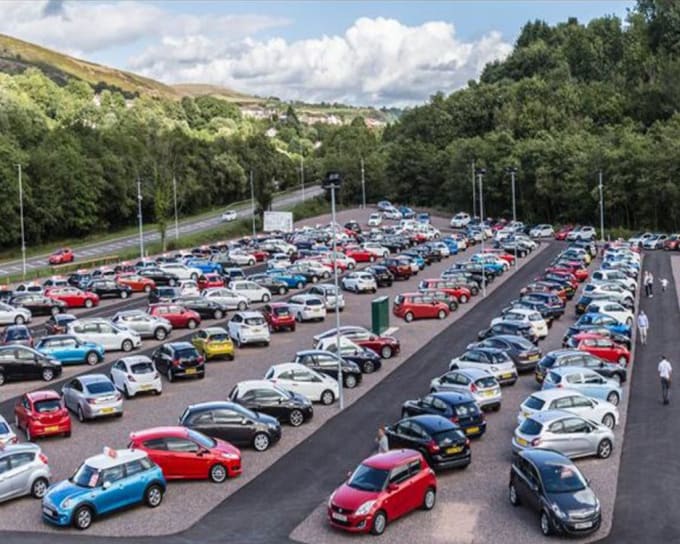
<point>145,325</point>
<point>482,385</point>
<point>330,296</point>
<point>23,471</point>
<point>92,396</point>
<point>565,432</point>
<point>7,435</point>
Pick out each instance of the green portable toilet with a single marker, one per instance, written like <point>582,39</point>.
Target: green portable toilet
<point>380,315</point>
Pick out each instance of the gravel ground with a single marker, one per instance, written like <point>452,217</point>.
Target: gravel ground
<point>472,504</point>
<point>194,499</point>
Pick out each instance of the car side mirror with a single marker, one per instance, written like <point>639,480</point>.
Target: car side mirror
<point>349,474</point>
<point>106,485</point>
<point>245,421</point>
<point>392,487</point>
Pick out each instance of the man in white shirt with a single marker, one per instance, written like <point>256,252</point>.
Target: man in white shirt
<point>643,326</point>
<point>665,371</point>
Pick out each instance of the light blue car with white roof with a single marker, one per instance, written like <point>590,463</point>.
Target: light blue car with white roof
<point>585,381</point>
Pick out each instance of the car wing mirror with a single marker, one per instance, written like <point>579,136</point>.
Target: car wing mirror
<point>392,488</point>
<point>106,485</point>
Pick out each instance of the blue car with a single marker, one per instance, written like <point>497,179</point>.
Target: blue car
<point>292,281</point>
<point>586,381</point>
<point>413,257</point>
<point>488,266</point>
<point>424,218</point>
<point>69,349</point>
<point>451,244</point>
<point>602,320</point>
<point>407,213</point>
<point>205,266</point>
<point>107,482</point>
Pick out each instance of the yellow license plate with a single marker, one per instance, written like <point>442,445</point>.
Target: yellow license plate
<point>190,371</point>
<point>487,393</point>
<point>107,410</point>
<point>522,442</point>
<point>472,430</point>
<point>506,375</point>
<point>145,387</point>
<point>455,449</point>
<point>533,357</point>
<point>51,428</point>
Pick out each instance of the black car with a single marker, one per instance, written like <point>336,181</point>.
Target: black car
<point>24,363</point>
<point>383,277</point>
<point>57,324</point>
<point>549,483</point>
<point>327,363</point>
<point>583,359</point>
<point>549,314</point>
<point>159,276</point>
<point>460,408</point>
<point>206,308</point>
<point>109,289</point>
<point>276,287</point>
<point>286,406</point>
<point>473,271</point>
<point>514,247</point>
<point>523,353</point>
<point>179,359</point>
<point>234,423</point>
<point>515,328</point>
<point>549,299</point>
<point>38,304</point>
<point>366,359</point>
<point>164,294</point>
<point>353,226</point>
<point>442,442</point>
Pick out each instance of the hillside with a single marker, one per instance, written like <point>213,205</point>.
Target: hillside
<point>202,89</point>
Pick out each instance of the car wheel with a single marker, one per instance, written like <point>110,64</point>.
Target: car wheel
<point>513,496</point>
<point>298,317</point>
<point>261,441</point>
<point>89,303</point>
<point>613,397</point>
<point>153,496</point>
<point>408,317</point>
<point>251,262</point>
<point>82,518</point>
<point>350,381</point>
<point>39,488</point>
<point>474,291</point>
<point>242,306</point>
<point>609,421</point>
<point>327,397</point>
<point>92,358</point>
<point>2,378</point>
<point>430,498</point>
<point>546,524</point>
<point>368,367</point>
<point>160,334</point>
<point>300,285</point>
<point>266,298</point>
<point>441,314</point>
<point>604,449</point>
<point>386,352</point>
<point>282,290</point>
<point>147,288</point>
<point>296,418</point>
<point>54,310</point>
<point>79,413</point>
<point>126,392</point>
<point>218,474</point>
<point>47,374</point>
<point>19,320</point>
<point>379,523</point>
<point>463,299</point>
<point>126,346</point>
<point>315,279</point>
<point>219,314</point>
<point>374,290</point>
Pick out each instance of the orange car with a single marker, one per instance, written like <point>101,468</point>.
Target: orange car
<point>136,282</point>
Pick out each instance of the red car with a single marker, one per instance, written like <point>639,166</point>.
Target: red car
<point>359,254</point>
<point>399,269</point>
<point>259,254</point>
<point>540,287</point>
<point>136,282</point>
<point>383,488</point>
<point>73,297</point>
<point>605,348</point>
<point>278,316</point>
<point>42,413</point>
<point>577,268</point>
<point>61,256</point>
<point>575,275</point>
<point>209,281</point>
<point>184,454</point>
<point>672,243</point>
<point>385,346</point>
<point>179,317</point>
<point>412,306</point>
<point>563,232</point>
<point>501,254</point>
<point>462,294</point>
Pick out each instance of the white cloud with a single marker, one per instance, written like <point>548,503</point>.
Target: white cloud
<point>376,61</point>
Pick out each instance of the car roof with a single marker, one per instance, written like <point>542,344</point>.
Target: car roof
<point>247,385</point>
<point>288,366</point>
<point>248,314</point>
<point>156,432</point>
<point>391,459</point>
<point>452,397</point>
<point>133,359</point>
<point>472,373</point>
<point>93,378</point>
<point>548,416</point>
<point>212,405</point>
<point>539,456</point>
<point>46,394</point>
<point>19,448</point>
<point>58,337</point>
<point>104,461</point>
<point>487,350</point>
<point>566,370</point>
<point>555,393</point>
<point>432,423</point>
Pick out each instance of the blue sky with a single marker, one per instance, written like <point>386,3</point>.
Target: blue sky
<point>386,53</point>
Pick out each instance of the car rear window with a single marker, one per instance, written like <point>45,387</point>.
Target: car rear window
<point>186,353</point>
<point>467,410</point>
<point>100,387</point>
<point>498,358</point>
<point>530,426</point>
<point>47,406</point>
<point>219,337</point>
<point>313,302</point>
<point>255,321</point>
<point>398,300</point>
<point>554,377</point>
<point>485,382</point>
<point>447,437</point>
<point>534,403</point>
<point>281,311</point>
<point>4,429</point>
<point>141,368</point>
<point>18,334</point>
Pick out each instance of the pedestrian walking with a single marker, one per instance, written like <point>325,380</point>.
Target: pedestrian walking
<point>649,284</point>
<point>381,440</point>
<point>664,284</point>
<point>643,326</point>
<point>665,371</point>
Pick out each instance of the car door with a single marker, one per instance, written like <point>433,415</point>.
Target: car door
<point>26,364</point>
<point>235,326</point>
<point>577,434</point>
<point>71,350</point>
<point>269,401</point>
<point>398,491</point>
<point>307,383</point>
<point>183,455</point>
<point>107,336</point>
<point>111,493</point>
<point>15,479</point>
<point>399,435</point>
<point>233,426</point>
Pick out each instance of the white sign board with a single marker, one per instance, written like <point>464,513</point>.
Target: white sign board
<point>278,221</point>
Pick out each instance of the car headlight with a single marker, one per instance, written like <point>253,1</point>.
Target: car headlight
<point>330,500</point>
<point>558,512</point>
<point>365,508</point>
<point>67,503</point>
<point>231,456</point>
<point>597,505</point>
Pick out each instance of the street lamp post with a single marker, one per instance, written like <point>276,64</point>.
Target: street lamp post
<point>513,171</point>
<point>302,175</point>
<point>140,218</point>
<point>363,185</point>
<point>174,194</point>
<point>333,181</point>
<point>474,200</point>
<point>480,175</point>
<point>600,187</point>
<point>252,200</point>
<point>21,220</point>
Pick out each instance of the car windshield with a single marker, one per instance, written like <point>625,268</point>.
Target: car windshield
<point>201,439</point>
<point>141,368</point>
<point>17,334</point>
<point>534,403</point>
<point>47,406</point>
<point>85,476</point>
<point>366,478</point>
<point>561,478</point>
<point>97,388</point>
<point>530,426</point>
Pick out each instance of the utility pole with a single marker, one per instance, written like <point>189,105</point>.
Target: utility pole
<point>513,171</point>
<point>600,187</point>
<point>252,200</point>
<point>480,174</point>
<point>174,192</point>
<point>363,185</point>
<point>139,217</point>
<point>302,175</point>
<point>21,220</point>
<point>474,200</point>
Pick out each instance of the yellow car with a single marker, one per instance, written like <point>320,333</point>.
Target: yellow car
<point>213,342</point>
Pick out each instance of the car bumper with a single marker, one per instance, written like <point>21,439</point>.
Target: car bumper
<point>350,523</point>
<point>155,385</point>
<point>255,339</point>
<point>578,527</point>
<point>440,462</point>
<point>95,411</point>
<point>488,402</point>
<point>190,372</point>
<point>280,325</point>
<point>55,516</point>
<point>226,351</point>
<point>506,378</point>
<point>475,431</point>
<point>60,427</point>
<point>308,316</point>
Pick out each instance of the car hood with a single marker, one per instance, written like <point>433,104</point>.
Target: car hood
<point>63,490</point>
<point>568,502</point>
<point>226,447</point>
<point>348,498</point>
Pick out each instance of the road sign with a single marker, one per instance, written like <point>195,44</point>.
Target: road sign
<point>278,221</point>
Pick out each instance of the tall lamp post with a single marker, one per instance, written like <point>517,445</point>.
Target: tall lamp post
<point>252,200</point>
<point>474,199</point>
<point>600,187</point>
<point>174,195</point>
<point>480,176</point>
<point>140,218</point>
<point>302,175</point>
<point>333,181</point>
<point>363,185</point>
<point>512,170</point>
<point>21,220</point>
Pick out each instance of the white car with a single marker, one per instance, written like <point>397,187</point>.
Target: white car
<point>538,325</point>
<point>241,258</point>
<point>9,315</point>
<point>392,214</point>
<point>442,248</point>
<point>182,271</point>
<point>229,215</point>
<point>112,336</point>
<point>613,309</point>
<point>279,261</point>
<point>189,288</point>
<point>295,377</point>
<point>495,361</point>
<point>616,276</point>
<point>136,374</point>
<point>7,435</point>
<point>639,239</point>
<point>460,220</point>
<point>542,231</point>
<point>344,262</point>
<point>582,233</point>
<point>330,296</point>
<point>249,328</point>
<point>624,251</point>
<point>267,392</point>
<point>231,299</point>
<point>376,249</point>
<point>374,220</point>
<point>252,291</point>
<point>570,400</point>
<point>614,291</point>
<point>315,267</point>
<point>359,282</point>
<point>307,307</point>
<point>29,287</point>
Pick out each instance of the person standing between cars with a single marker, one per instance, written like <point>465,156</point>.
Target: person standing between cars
<point>665,371</point>
<point>381,439</point>
<point>643,326</point>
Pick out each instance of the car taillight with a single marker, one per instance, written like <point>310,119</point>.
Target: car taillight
<point>536,442</point>
<point>473,388</point>
<point>199,359</point>
<point>92,401</point>
<point>43,458</point>
<point>455,419</point>
<point>432,446</point>
<point>131,378</point>
<point>175,362</point>
<point>467,442</point>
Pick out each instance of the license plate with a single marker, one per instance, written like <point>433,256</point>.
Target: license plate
<point>583,525</point>
<point>526,414</point>
<point>533,357</point>
<point>257,331</point>
<point>487,393</point>
<point>339,517</point>
<point>507,375</point>
<point>51,428</point>
<point>454,449</point>
<point>472,430</point>
<point>107,410</point>
<point>522,442</point>
<point>190,371</point>
<point>145,387</point>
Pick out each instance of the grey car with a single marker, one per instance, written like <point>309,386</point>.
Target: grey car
<point>145,325</point>
<point>92,396</point>
<point>23,471</point>
<point>481,384</point>
<point>565,432</point>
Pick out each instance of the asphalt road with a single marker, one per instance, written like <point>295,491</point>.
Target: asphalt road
<point>190,226</point>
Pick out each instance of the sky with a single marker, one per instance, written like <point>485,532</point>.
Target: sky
<point>380,53</point>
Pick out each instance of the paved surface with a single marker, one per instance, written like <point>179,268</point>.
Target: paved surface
<point>112,247</point>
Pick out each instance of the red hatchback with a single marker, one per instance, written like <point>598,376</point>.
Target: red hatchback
<point>563,232</point>
<point>210,281</point>
<point>449,287</point>
<point>359,254</point>
<point>73,297</point>
<point>42,413</point>
<point>184,454</point>
<point>412,306</point>
<point>179,317</point>
<point>605,348</point>
<point>61,256</point>
<point>278,316</point>
<point>383,488</point>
